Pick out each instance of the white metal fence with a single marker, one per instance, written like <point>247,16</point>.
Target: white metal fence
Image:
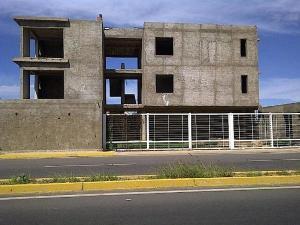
<point>202,131</point>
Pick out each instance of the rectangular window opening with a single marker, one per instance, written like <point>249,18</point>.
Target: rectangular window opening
<point>243,47</point>
<point>164,83</point>
<point>164,46</point>
<point>244,84</point>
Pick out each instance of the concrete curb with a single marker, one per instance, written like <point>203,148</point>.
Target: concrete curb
<point>150,184</point>
<point>46,155</point>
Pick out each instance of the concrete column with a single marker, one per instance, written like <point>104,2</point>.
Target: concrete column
<point>24,84</point>
<point>25,42</point>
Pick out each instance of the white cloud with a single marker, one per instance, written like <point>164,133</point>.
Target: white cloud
<point>272,15</point>
<point>13,92</point>
<point>9,91</point>
<point>280,88</point>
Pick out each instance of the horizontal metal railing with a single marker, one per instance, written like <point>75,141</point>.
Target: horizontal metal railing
<point>202,130</point>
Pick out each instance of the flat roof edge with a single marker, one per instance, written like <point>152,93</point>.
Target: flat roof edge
<point>41,19</point>
<point>205,25</point>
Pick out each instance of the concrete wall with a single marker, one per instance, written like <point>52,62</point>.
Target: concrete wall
<point>284,108</point>
<point>206,65</point>
<point>50,124</point>
<point>83,48</point>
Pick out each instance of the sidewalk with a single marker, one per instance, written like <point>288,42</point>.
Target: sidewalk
<point>97,153</point>
<point>54,154</point>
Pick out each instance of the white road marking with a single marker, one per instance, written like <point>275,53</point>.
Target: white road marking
<point>148,192</point>
<point>291,159</point>
<point>120,164</point>
<point>271,160</point>
<point>89,165</point>
<point>261,160</point>
<point>82,165</point>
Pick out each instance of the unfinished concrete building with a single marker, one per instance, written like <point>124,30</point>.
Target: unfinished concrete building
<point>180,68</point>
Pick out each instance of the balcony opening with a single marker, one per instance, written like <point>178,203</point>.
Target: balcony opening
<point>121,91</point>
<point>45,42</point>
<point>123,50</point>
<point>164,46</point>
<point>47,85</point>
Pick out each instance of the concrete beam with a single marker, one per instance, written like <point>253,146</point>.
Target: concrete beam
<point>136,72</point>
<point>124,32</point>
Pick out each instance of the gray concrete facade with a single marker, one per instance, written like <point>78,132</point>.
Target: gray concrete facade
<point>72,55</point>
<point>69,68</point>
<point>206,65</point>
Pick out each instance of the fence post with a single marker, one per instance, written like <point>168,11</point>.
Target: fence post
<point>104,133</point>
<point>271,129</point>
<point>190,130</point>
<point>148,138</point>
<point>231,131</point>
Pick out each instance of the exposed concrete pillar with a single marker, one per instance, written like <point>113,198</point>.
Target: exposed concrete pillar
<point>24,84</point>
<point>25,42</point>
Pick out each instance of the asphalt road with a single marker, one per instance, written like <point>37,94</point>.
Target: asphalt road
<point>276,207</point>
<point>130,165</point>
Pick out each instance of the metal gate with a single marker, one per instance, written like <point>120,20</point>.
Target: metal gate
<point>202,131</point>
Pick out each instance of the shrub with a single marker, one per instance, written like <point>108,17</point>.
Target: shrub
<point>21,179</point>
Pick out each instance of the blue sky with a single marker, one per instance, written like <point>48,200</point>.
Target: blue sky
<point>278,24</point>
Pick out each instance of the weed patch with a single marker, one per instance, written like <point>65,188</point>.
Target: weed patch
<point>183,170</point>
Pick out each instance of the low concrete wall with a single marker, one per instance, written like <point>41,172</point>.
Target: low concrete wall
<point>50,124</point>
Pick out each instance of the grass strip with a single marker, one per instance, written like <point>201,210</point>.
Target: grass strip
<point>170,171</point>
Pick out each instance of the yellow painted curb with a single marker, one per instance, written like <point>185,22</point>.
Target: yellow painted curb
<point>44,155</point>
<point>40,188</point>
<point>248,181</point>
<point>192,182</point>
<point>150,184</point>
<point>137,184</point>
